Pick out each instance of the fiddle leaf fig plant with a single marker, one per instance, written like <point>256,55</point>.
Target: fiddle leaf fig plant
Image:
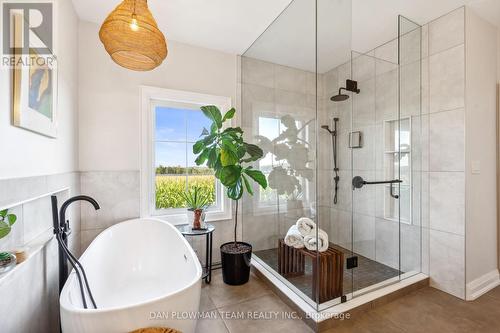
<point>224,151</point>
<point>6,222</point>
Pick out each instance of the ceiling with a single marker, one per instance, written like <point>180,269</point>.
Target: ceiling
<point>375,21</point>
<point>233,25</point>
<point>225,25</point>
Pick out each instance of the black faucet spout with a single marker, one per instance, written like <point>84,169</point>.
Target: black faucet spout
<point>65,205</point>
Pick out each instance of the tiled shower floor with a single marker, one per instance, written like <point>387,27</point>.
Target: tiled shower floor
<point>368,272</point>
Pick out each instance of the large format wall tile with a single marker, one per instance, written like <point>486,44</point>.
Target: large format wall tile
<point>447,141</point>
<point>388,53</point>
<point>447,262</point>
<point>447,31</point>
<point>32,292</point>
<point>331,82</point>
<point>411,240</point>
<point>364,235</point>
<point>363,104</point>
<point>257,72</point>
<point>409,92</point>
<point>290,79</point>
<point>447,79</point>
<point>341,222</point>
<point>118,194</point>
<point>33,286</point>
<point>387,242</point>
<point>447,202</point>
<point>363,66</point>
<point>410,44</point>
<point>364,158</point>
<point>386,96</point>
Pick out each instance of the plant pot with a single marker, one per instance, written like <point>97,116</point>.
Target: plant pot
<point>197,218</point>
<point>236,264</point>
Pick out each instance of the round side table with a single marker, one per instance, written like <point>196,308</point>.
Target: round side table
<point>187,230</point>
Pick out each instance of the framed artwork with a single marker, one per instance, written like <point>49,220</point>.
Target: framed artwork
<point>35,89</point>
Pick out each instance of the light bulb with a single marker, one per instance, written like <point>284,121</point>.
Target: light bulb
<point>133,24</point>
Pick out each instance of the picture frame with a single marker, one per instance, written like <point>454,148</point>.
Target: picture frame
<point>34,88</point>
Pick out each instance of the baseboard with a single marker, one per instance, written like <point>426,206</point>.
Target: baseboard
<point>482,285</point>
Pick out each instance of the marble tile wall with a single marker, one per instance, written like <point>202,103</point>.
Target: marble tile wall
<point>118,193</point>
<point>429,84</point>
<point>30,293</point>
<point>444,91</point>
<point>273,91</point>
<point>358,220</point>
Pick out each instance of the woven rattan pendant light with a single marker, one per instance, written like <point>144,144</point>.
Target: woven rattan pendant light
<point>132,38</point>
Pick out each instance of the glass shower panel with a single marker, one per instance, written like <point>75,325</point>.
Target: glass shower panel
<point>411,142</point>
<point>334,31</point>
<point>279,96</point>
<point>375,210</point>
<point>331,121</point>
<point>288,76</point>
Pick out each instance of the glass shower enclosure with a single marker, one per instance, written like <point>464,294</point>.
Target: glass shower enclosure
<point>341,131</point>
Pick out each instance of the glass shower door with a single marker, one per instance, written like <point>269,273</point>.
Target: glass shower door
<point>385,145</point>
<point>374,142</point>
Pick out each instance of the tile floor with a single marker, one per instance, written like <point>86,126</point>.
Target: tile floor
<point>426,310</point>
<point>368,272</point>
<point>223,301</point>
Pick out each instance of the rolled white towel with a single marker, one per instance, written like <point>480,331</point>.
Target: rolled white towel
<point>306,226</point>
<point>321,243</point>
<point>293,238</point>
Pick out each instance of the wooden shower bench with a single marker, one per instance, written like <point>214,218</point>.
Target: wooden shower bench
<point>327,269</point>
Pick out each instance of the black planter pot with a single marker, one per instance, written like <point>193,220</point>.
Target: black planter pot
<point>235,266</point>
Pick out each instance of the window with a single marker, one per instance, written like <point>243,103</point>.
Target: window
<point>286,140</point>
<point>172,123</point>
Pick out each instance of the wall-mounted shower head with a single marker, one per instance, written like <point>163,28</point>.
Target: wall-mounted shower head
<point>351,85</point>
<point>340,97</point>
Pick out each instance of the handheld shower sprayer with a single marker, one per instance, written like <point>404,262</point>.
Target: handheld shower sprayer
<point>333,133</point>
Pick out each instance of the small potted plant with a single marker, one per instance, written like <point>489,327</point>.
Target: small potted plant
<point>6,222</point>
<point>224,151</point>
<point>196,203</point>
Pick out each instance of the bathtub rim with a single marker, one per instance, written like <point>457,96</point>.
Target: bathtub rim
<point>66,305</point>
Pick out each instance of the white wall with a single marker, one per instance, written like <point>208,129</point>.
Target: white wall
<point>110,122</point>
<point>28,154</point>
<point>110,102</point>
<point>32,166</point>
<point>480,120</point>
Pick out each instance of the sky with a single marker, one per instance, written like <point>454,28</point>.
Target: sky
<point>176,130</point>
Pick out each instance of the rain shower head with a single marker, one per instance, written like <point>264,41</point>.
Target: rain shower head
<point>351,85</point>
<point>340,97</point>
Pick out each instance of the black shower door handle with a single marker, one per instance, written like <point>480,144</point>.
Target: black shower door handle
<point>359,182</point>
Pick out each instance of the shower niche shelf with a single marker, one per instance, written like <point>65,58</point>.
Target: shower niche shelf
<point>397,164</point>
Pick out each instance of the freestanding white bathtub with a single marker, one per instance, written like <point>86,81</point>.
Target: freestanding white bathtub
<point>142,273</point>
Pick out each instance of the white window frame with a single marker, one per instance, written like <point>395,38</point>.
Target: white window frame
<point>152,96</point>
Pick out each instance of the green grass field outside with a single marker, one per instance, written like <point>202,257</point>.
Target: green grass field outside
<point>170,187</point>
